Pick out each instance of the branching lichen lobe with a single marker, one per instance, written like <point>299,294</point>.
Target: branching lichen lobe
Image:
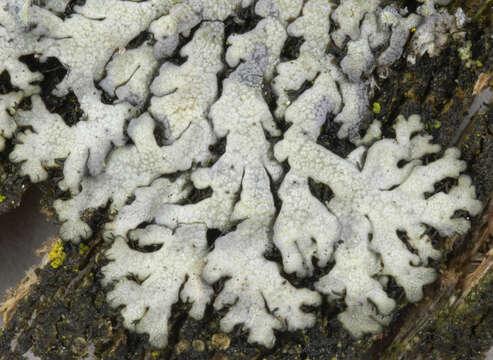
<point>232,205</point>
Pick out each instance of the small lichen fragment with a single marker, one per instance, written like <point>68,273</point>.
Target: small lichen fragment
<point>376,108</point>
<point>57,255</point>
<point>83,249</point>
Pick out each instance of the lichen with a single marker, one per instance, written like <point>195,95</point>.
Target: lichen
<point>153,112</point>
<point>83,249</point>
<point>376,108</point>
<point>57,255</point>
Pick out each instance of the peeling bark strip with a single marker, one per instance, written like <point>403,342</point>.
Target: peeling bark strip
<point>180,250</point>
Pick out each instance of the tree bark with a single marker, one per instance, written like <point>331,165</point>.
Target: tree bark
<point>61,313</point>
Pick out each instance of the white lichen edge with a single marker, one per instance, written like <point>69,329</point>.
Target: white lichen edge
<point>130,167</point>
<point>377,205</point>
<point>149,294</point>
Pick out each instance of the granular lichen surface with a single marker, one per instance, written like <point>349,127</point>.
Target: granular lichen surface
<point>198,139</point>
